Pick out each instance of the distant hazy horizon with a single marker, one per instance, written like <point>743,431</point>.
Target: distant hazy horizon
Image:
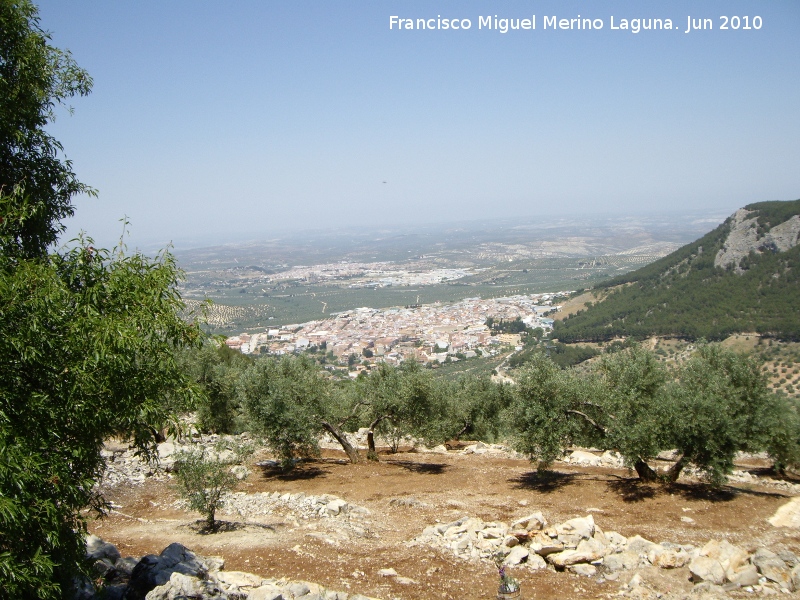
<point>220,121</point>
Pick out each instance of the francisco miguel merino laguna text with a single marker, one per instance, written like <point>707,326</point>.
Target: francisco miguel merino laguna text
<point>504,25</point>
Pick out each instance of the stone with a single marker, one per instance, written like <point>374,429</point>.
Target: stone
<point>704,568</point>
<point>571,532</point>
<point>405,580</point>
<point>153,571</point>
<point>387,572</point>
<point>239,579</point>
<point>298,589</point>
<point>580,457</point>
<point>535,562</point>
<point>640,545</point>
<point>265,592</point>
<point>97,549</point>
<point>491,533</point>
<point>181,587</point>
<point>789,557</point>
<point>125,565</point>
<point>616,541</point>
<point>583,569</point>
<point>669,558</point>
<point>533,522</point>
<point>522,535</point>
<point>334,507</point>
<point>510,541</point>
<point>773,568</point>
<point>516,556</point>
<point>621,561</point>
<point>746,576</point>
<point>586,552</point>
<point>543,545</point>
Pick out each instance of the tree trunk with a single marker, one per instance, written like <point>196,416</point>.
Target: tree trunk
<point>351,452</point>
<point>645,472</point>
<point>371,433</point>
<point>464,430</point>
<point>675,470</point>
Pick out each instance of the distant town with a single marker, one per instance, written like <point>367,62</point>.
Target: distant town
<point>431,333</point>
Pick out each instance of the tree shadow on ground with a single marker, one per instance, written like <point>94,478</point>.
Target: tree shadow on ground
<point>301,472</point>
<point>634,490</point>
<point>200,526</point>
<point>415,467</point>
<point>543,481</point>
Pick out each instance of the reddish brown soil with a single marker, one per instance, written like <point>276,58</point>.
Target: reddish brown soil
<point>450,486</point>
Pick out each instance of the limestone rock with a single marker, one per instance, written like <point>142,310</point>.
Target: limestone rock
<point>787,515</point>
<point>704,568</point>
<point>535,562</point>
<point>181,587</point>
<point>265,592</point>
<point>532,522</point>
<point>571,532</point>
<point>239,579</point>
<point>669,558</point>
<point>773,568</point>
<point>516,556</point>
<point>621,561</point>
<point>748,575</point>
<point>583,569</point>
<point>640,545</point>
<point>543,545</point>
<point>617,542</point>
<point>583,458</point>
<point>586,552</point>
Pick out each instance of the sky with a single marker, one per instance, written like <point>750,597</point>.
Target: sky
<point>215,121</point>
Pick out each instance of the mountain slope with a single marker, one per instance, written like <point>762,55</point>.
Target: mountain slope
<point>744,276</point>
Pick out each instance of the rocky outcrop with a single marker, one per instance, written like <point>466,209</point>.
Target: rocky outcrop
<point>744,238</point>
<point>180,574</point>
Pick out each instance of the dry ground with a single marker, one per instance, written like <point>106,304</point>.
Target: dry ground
<point>449,486</point>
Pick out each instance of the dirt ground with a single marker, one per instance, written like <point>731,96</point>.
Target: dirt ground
<point>445,488</point>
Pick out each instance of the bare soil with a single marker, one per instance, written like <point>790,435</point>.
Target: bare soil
<point>446,488</point>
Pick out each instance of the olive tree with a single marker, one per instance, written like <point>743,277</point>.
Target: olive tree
<point>204,476</point>
<point>290,403</point>
<point>719,406</point>
<point>404,400</point>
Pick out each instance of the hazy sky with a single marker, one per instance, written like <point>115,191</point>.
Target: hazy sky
<point>254,118</point>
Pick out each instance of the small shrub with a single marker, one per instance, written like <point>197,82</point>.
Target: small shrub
<point>204,476</point>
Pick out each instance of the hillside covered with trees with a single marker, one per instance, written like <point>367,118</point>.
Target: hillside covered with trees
<point>744,276</point>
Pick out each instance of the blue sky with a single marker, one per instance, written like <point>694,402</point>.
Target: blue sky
<point>238,120</point>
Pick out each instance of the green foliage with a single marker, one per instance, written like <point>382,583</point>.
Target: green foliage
<point>36,186</point>
<point>216,369</point>
<point>721,406</point>
<point>205,476</point>
<point>476,408</point>
<point>633,404</point>
<point>286,400</point>
<point>87,337</point>
<point>404,399</point>
<point>544,396</point>
<point>717,406</point>
<point>87,344</point>
<point>685,295</point>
